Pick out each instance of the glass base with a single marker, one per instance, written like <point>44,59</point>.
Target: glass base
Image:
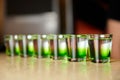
<point>77,60</point>
<point>24,56</point>
<point>39,56</point>
<point>55,58</point>
<point>45,56</point>
<point>11,55</point>
<point>72,60</point>
<point>81,59</point>
<point>101,61</point>
<point>62,58</point>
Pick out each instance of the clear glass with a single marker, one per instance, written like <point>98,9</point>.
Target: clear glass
<point>78,47</point>
<point>9,45</point>
<point>100,47</point>
<point>32,45</point>
<point>62,47</point>
<point>20,45</point>
<point>81,47</point>
<point>45,46</point>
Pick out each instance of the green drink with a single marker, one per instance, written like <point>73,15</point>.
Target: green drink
<point>81,53</point>
<point>31,50</point>
<point>62,47</point>
<point>45,48</point>
<point>100,47</point>
<point>17,49</point>
<point>31,45</point>
<point>17,45</point>
<point>105,50</point>
<point>78,48</point>
<point>82,42</point>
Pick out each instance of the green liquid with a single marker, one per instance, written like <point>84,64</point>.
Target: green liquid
<point>31,50</point>
<point>46,51</point>
<point>102,53</point>
<point>81,52</point>
<point>62,51</point>
<point>17,49</point>
<point>81,49</point>
<point>105,50</point>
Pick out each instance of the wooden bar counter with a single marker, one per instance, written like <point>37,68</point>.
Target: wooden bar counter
<point>18,68</point>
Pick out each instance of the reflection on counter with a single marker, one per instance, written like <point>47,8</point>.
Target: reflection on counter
<point>32,67</point>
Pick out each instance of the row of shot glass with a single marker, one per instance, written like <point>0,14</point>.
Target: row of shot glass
<point>76,48</point>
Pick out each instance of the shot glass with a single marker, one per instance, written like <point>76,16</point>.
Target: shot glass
<point>19,45</point>
<point>32,45</point>
<point>62,47</point>
<point>78,47</point>
<point>9,45</point>
<point>53,46</point>
<point>81,47</point>
<point>45,46</point>
<point>100,47</point>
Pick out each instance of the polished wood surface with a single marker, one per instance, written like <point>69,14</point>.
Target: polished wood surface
<point>17,68</point>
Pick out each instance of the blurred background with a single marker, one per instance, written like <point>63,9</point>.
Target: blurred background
<point>52,17</point>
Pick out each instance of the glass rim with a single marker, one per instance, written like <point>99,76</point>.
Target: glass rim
<point>100,36</point>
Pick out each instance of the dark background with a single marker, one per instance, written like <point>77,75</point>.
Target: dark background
<point>94,12</point>
<point>21,7</point>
